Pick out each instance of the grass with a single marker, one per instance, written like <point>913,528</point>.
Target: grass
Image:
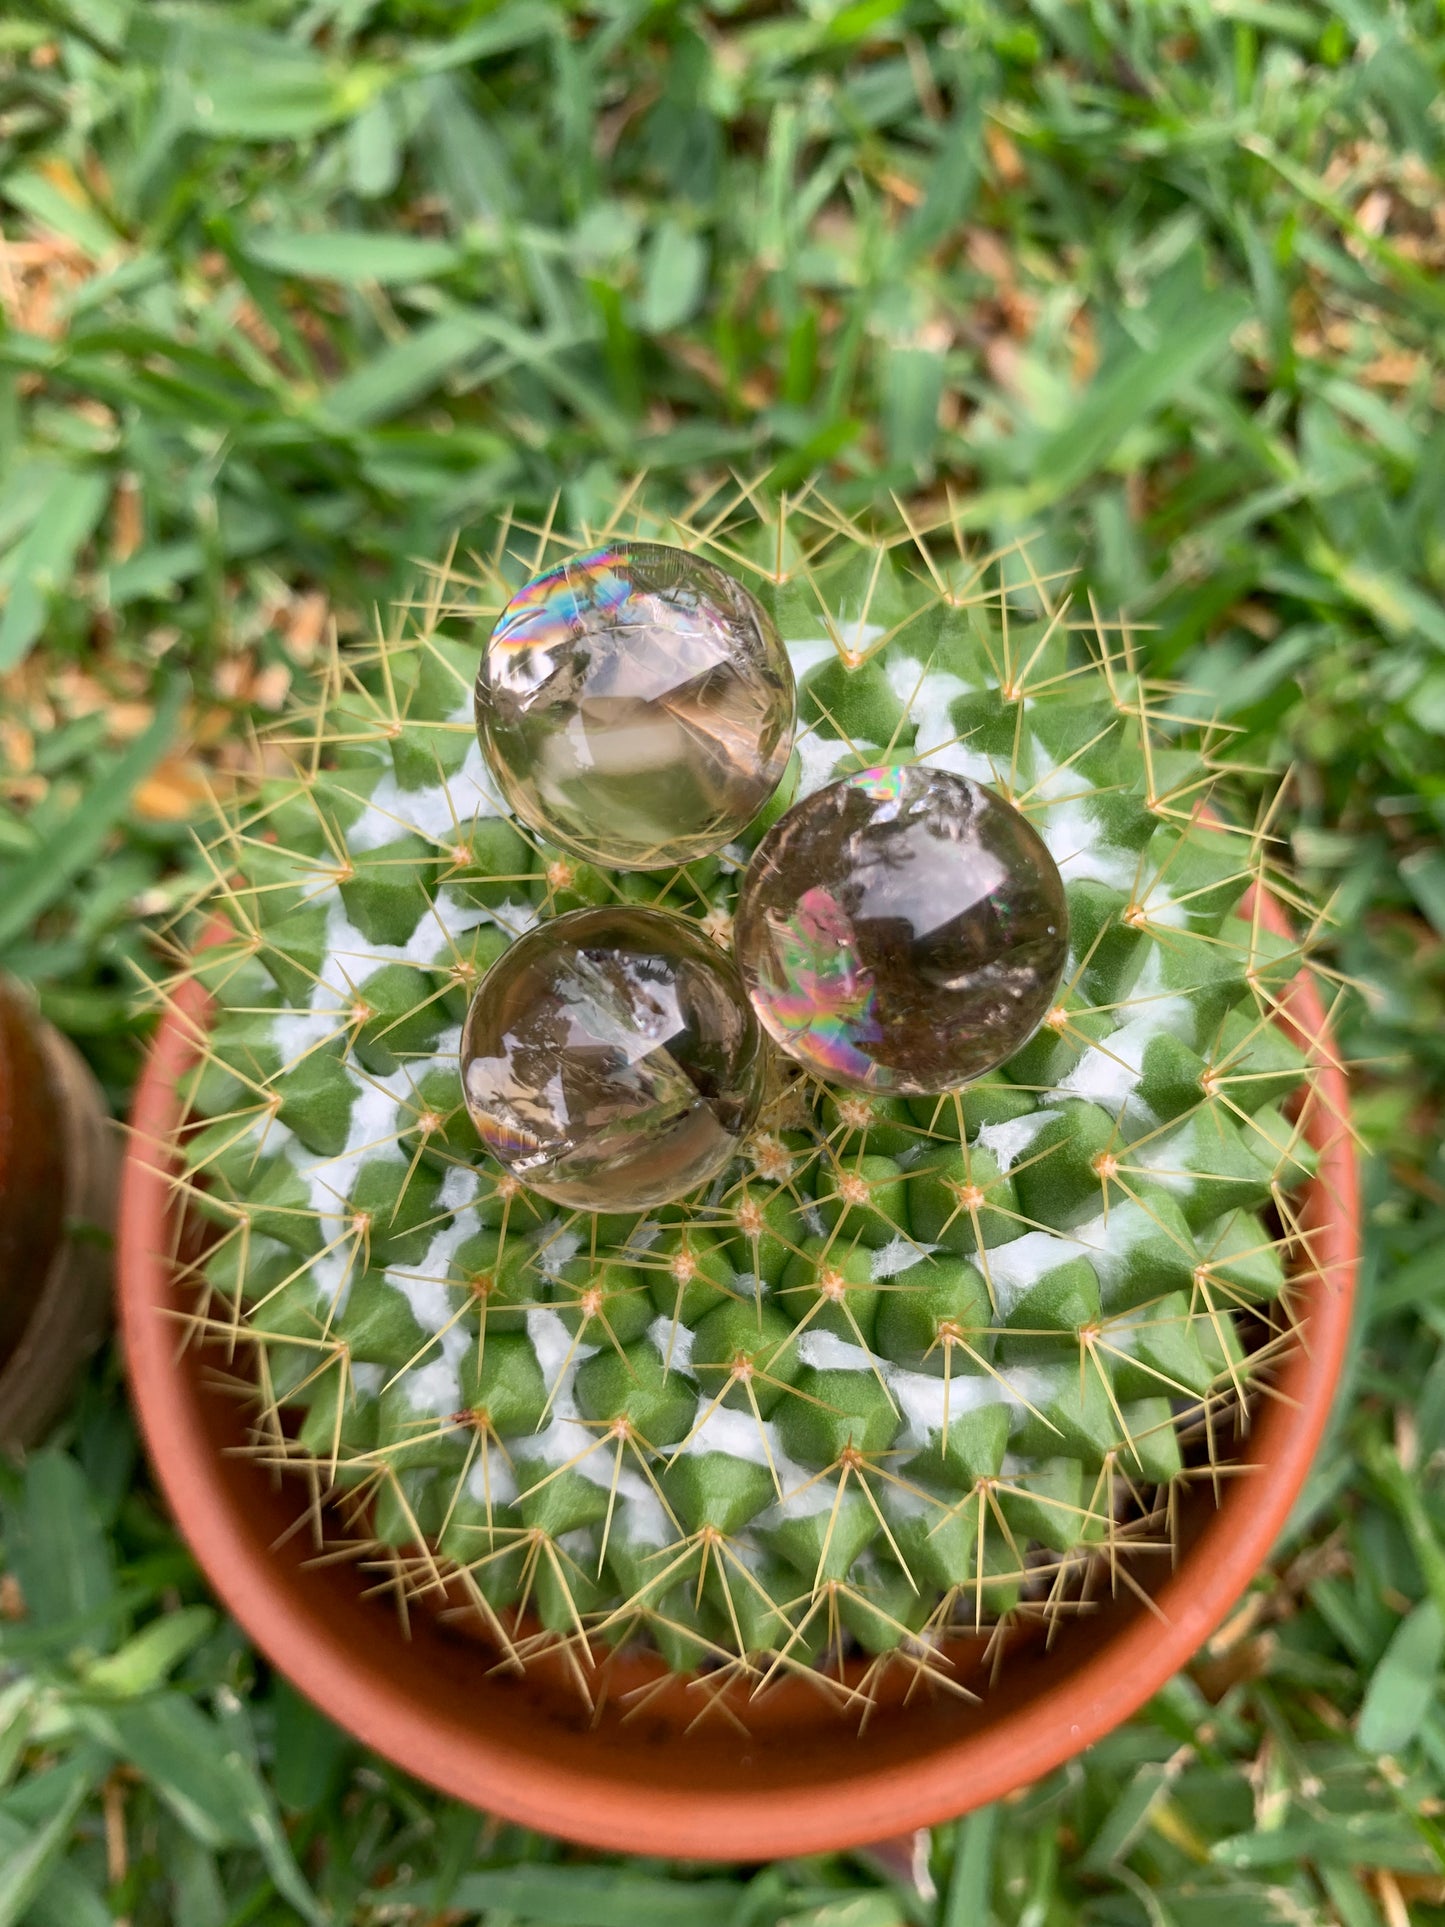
<point>292,292</point>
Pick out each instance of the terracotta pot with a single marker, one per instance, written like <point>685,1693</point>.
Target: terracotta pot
<point>59,1159</point>
<point>648,1784</point>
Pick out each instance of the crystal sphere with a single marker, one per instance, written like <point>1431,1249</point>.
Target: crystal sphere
<point>610,1059</point>
<point>636,705</point>
<point>903,930</point>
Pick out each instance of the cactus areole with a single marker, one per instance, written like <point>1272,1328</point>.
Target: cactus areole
<point>889,1423</point>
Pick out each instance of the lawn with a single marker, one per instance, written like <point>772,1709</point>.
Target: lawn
<point>294,293</point>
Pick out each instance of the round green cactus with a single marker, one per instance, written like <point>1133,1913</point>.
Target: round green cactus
<point>911,1367</point>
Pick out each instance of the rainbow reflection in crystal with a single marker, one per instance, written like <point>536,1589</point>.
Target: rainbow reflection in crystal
<point>636,705</point>
<point>902,930</point>
<point>886,785</point>
<point>561,597</point>
<point>823,999</point>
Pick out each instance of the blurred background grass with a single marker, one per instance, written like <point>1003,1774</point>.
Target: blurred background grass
<point>293,292</point>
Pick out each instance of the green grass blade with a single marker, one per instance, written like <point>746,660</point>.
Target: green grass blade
<point>212,1790</point>
<point>41,565</point>
<point>333,255</point>
<point>586,1897</point>
<point>30,1861</point>
<point>966,1900</point>
<point>1140,383</point>
<point>59,1553</point>
<point>1402,1687</point>
<point>41,878</point>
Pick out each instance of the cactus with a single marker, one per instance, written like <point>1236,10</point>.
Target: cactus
<point>912,1369</point>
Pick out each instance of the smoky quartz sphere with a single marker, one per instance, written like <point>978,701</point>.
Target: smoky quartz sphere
<point>636,705</point>
<point>610,1059</point>
<point>902,930</point>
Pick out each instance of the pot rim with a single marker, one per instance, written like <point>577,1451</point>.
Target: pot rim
<point>750,1821</point>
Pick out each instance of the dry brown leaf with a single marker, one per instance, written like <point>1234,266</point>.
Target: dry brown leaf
<point>1373,213</point>
<point>1084,344</point>
<point>1001,357</point>
<point>1396,368</point>
<point>1427,1887</point>
<point>901,189</point>
<point>1392,1900</point>
<point>17,747</point>
<point>987,252</point>
<point>176,789</point>
<point>1004,156</point>
<point>128,719</point>
<point>303,624</point>
<point>1258,619</point>
<point>127,522</point>
<point>1245,1660</point>
<point>215,724</point>
<point>270,688</point>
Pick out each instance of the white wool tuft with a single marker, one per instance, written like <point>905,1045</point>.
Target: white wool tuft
<point>1170,1160</point>
<point>566,1437</point>
<point>801,1500</point>
<point>826,1352</point>
<point>807,652</point>
<point>1109,1241</point>
<point>930,695</point>
<point>433,1389</point>
<point>897,1255</point>
<point>1008,1141</point>
<point>674,1342</point>
<point>1016,1267</point>
<point>925,1400</point>
<point>438,811</point>
<point>490,1479</point>
<point>1109,1073</point>
<point>820,756</point>
<point>558,1247</point>
<point>1072,835</point>
<point>460,1185</point>
<point>737,1434</point>
<point>432,1300</point>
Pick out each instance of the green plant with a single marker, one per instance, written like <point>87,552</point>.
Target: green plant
<point>912,1369</point>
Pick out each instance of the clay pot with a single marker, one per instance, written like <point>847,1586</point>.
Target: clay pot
<point>59,1160</point>
<point>525,1749</point>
